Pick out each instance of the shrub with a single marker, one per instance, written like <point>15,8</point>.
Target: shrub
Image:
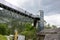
<point>2,37</point>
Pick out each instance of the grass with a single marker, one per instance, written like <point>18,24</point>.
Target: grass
<point>2,37</point>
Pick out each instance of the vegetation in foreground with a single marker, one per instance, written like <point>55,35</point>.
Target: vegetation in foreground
<point>2,37</point>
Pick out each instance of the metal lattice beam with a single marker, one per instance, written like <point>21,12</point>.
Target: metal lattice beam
<point>20,11</point>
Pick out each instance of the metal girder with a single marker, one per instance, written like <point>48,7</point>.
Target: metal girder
<point>20,11</point>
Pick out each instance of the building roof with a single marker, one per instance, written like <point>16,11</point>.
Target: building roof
<point>49,31</point>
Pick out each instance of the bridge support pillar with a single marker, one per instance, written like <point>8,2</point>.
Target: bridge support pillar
<point>41,21</point>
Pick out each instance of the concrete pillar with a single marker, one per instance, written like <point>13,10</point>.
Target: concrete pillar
<point>41,21</point>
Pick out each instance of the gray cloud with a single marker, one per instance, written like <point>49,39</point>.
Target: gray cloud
<point>51,6</point>
<point>32,6</point>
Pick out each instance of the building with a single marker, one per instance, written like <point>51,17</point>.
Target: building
<point>49,34</point>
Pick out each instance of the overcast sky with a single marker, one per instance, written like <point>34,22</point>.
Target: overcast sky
<point>51,8</point>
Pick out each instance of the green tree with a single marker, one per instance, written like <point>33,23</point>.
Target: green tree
<point>29,32</point>
<point>48,26</point>
<point>4,29</point>
<point>54,27</point>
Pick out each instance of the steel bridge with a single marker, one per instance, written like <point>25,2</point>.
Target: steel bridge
<point>20,11</point>
<point>10,7</point>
